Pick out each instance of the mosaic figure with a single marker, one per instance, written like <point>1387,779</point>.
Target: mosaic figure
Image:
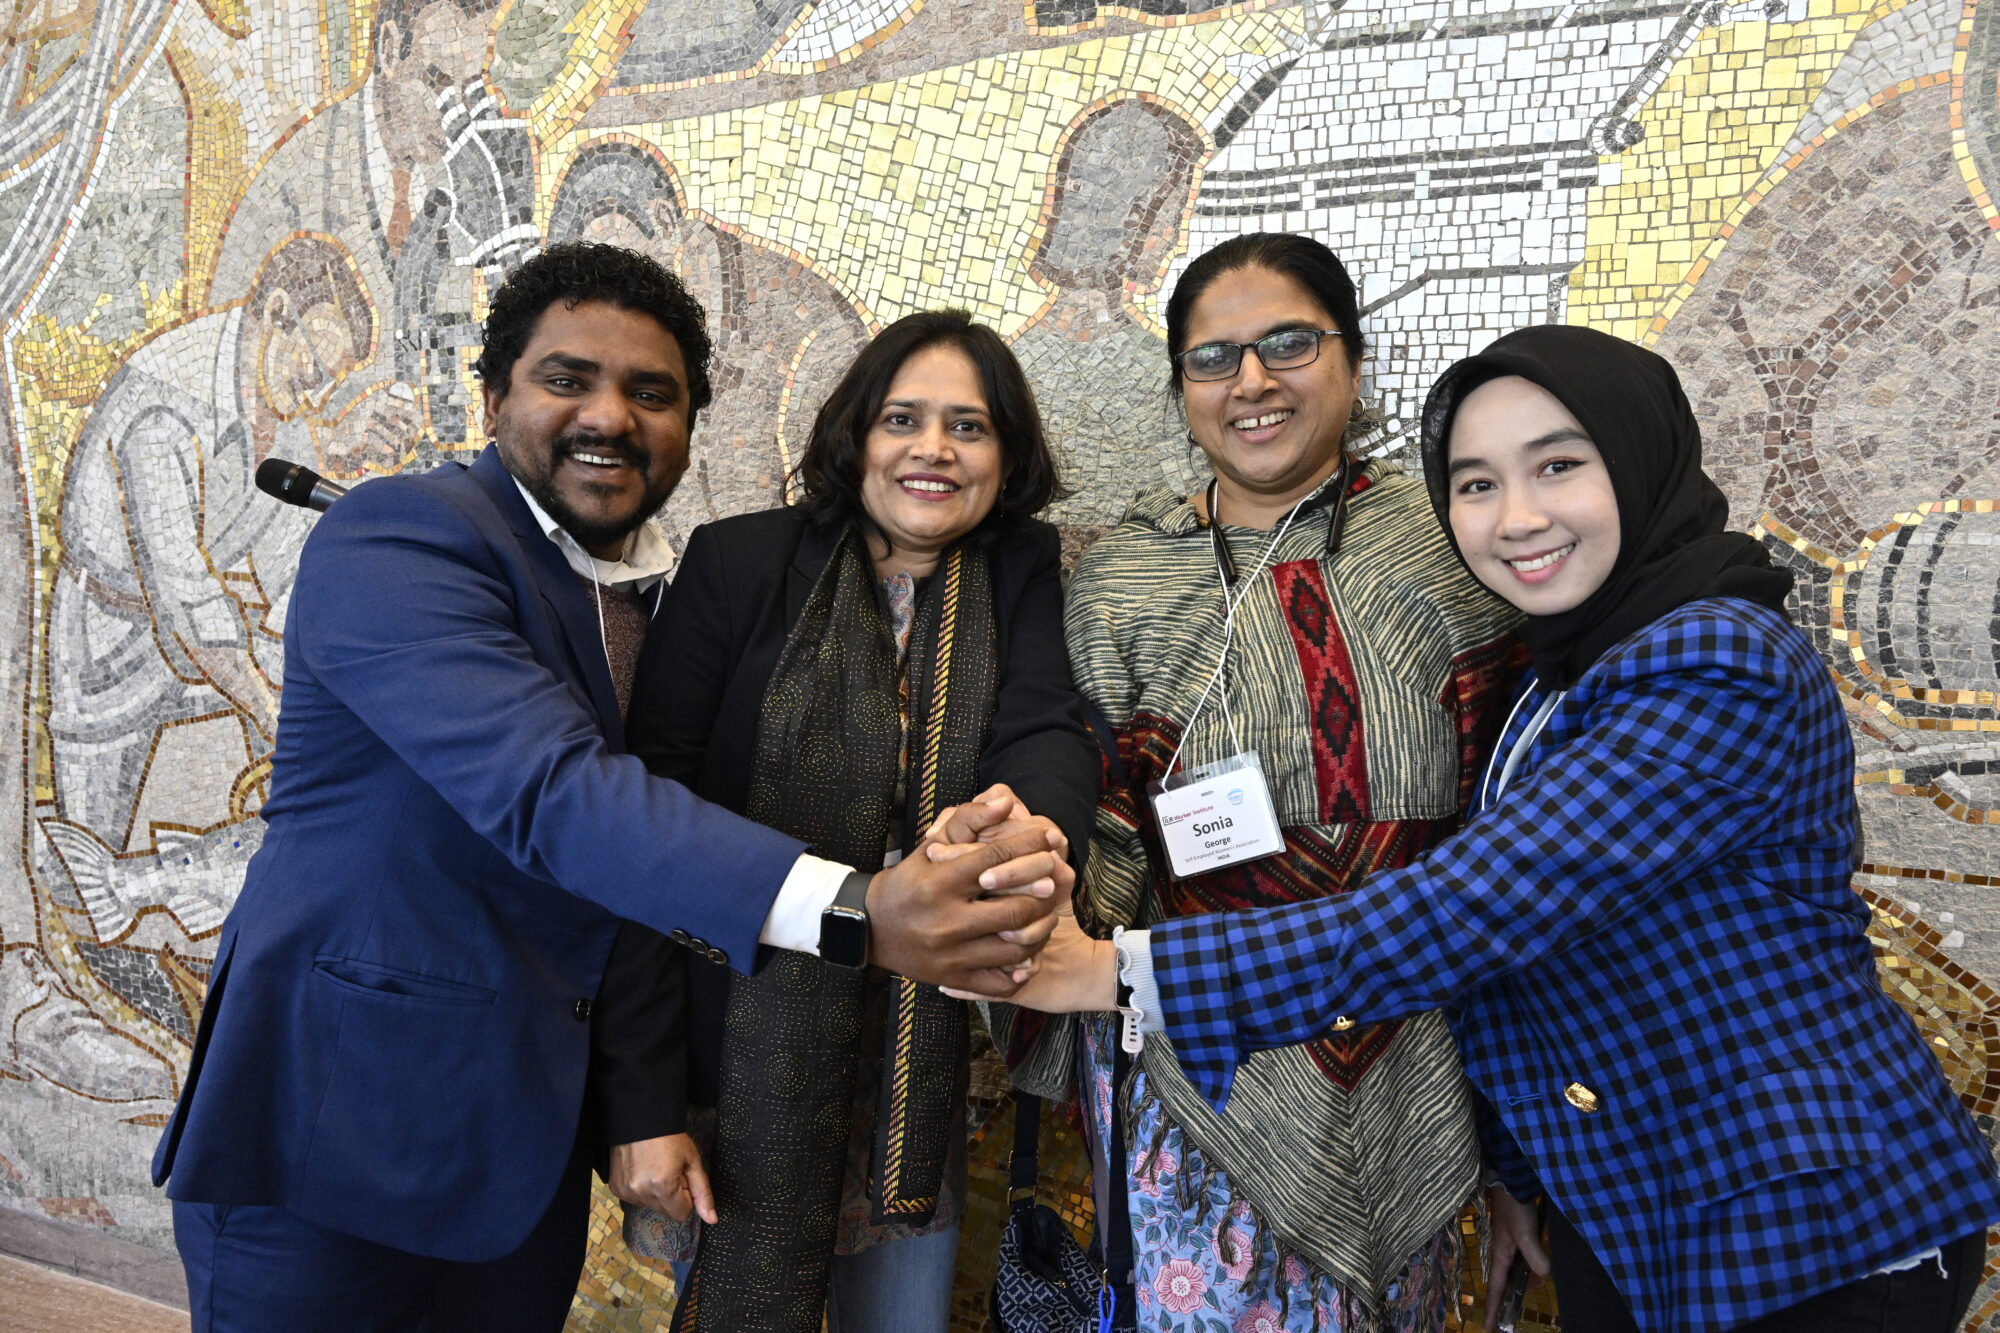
<point>782,333</point>
<point>1791,200</point>
<point>1819,362</point>
<point>82,53</point>
<point>169,597</point>
<point>423,180</point>
<point>1447,154</point>
<point>1114,214</point>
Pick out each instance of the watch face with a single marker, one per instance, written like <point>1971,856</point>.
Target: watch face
<point>843,938</point>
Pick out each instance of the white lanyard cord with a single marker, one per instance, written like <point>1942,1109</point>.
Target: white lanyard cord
<point>1229,605</point>
<point>1488,793</point>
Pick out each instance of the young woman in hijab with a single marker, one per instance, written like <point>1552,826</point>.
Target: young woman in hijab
<point>842,669</point>
<point>1658,970</point>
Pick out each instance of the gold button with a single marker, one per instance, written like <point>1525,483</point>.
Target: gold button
<point>1342,1023</point>
<point>1582,1098</point>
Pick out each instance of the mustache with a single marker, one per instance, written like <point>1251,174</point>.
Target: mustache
<point>619,447</point>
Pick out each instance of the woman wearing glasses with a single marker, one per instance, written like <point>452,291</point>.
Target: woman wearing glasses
<point>1297,671</point>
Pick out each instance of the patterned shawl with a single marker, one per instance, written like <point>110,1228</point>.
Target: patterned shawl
<point>826,771</point>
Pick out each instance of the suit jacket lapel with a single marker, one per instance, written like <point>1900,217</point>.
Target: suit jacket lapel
<point>808,563</point>
<point>561,589</point>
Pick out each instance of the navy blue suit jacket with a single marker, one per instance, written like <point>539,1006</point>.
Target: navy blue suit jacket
<point>394,1044</point>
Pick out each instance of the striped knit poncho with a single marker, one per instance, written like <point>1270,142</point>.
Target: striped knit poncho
<point>1368,682</point>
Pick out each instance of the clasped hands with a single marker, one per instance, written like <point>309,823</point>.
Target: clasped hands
<point>1067,971</point>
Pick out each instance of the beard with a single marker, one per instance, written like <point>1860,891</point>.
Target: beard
<point>594,531</point>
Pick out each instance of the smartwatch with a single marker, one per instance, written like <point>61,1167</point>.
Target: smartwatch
<point>843,926</point>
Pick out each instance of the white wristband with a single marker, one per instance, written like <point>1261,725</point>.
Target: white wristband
<point>1135,972</point>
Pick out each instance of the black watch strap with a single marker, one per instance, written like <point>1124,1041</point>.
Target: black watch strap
<point>843,926</point>
<point>853,895</point>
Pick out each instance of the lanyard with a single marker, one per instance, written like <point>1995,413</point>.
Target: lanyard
<point>1488,793</point>
<point>1225,575</point>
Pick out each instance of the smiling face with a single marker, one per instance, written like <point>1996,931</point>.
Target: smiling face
<point>1531,502</point>
<point>594,420</point>
<point>1271,435</point>
<point>931,466</point>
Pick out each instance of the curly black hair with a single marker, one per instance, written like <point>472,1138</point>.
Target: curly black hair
<point>577,271</point>
<point>828,473</point>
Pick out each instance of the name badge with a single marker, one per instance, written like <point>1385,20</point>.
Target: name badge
<point>1217,815</point>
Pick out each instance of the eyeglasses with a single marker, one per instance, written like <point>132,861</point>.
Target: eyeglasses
<point>1287,349</point>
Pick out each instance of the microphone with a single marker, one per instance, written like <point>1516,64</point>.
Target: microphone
<point>297,484</point>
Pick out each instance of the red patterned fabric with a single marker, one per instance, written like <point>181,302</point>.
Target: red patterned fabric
<point>1333,696</point>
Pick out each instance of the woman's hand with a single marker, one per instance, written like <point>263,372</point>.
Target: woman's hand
<point>1516,1229</point>
<point>1073,974</point>
<point>663,1174</point>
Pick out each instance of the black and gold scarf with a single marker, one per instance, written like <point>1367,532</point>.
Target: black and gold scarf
<point>826,772</point>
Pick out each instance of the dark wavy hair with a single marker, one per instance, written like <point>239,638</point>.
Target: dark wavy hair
<point>828,475</point>
<point>1300,258</point>
<point>577,271</point>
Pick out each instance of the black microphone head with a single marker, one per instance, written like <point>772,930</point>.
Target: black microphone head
<point>297,484</point>
<point>282,479</point>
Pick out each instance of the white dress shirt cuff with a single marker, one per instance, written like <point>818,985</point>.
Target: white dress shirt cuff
<point>808,891</point>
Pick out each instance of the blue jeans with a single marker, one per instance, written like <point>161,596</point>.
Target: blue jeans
<point>901,1286</point>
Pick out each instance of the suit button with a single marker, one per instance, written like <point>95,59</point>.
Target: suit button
<point>679,936</point>
<point>583,1011</point>
<point>1582,1098</point>
<point>719,957</point>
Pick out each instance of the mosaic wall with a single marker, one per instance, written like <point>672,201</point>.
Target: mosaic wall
<point>239,228</point>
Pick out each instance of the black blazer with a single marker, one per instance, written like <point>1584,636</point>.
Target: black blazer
<point>657,1027</point>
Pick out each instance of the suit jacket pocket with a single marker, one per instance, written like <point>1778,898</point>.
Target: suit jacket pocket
<point>1770,1127</point>
<point>376,980</point>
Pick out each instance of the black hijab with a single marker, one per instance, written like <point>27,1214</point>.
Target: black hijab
<point>1673,542</point>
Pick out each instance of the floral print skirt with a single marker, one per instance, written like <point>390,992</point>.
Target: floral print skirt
<point>1207,1269</point>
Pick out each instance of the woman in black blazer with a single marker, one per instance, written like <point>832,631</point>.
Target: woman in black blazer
<point>843,669</point>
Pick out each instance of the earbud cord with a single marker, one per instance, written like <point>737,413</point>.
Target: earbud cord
<point>1229,605</point>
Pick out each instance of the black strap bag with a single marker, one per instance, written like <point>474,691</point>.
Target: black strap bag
<point>1046,1283</point>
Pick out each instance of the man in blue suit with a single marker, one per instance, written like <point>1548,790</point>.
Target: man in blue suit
<point>382,1122</point>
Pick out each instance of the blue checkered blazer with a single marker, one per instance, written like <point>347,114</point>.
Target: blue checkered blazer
<point>1658,977</point>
